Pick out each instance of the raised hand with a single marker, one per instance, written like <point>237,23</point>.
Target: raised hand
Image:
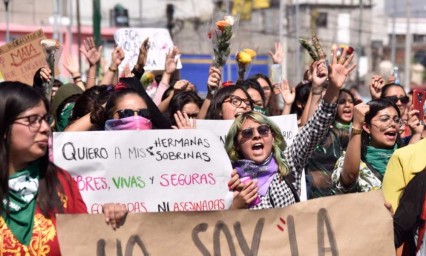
<point>117,57</point>
<point>287,93</point>
<point>319,75</point>
<point>213,82</point>
<point>376,84</point>
<point>127,72</point>
<point>89,50</point>
<point>340,69</point>
<point>277,56</point>
<point>143,54</point>
<point>171,60</point>
<point>413,121</point>
<point>359,115</point>
<point>183,121</point>
<point>45,74</point>
<point>71,65</point>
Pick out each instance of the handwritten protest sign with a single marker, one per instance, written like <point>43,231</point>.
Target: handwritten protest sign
<point>20,59</point>
<point>160,43</point>
<point>287,124</point>
<point>149,171</point>
<point>337,225</point>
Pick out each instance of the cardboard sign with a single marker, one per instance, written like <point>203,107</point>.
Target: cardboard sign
<point>160,43</point>
<point>20,59</point>
<point>350,225</point>
<point>149,171</point>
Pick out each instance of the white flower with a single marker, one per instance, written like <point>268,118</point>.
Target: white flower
<point>49,44</point>
<point>230,20</point>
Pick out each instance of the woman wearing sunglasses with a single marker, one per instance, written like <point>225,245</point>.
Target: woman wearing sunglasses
<point>411,128</point>
<point>321,164</point>
<point>33,190</point>
<point>374,138</point>
<point>267,174</point>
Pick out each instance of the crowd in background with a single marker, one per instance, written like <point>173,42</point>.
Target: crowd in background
<point>343,145</point>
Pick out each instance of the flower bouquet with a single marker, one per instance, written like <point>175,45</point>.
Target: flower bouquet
<point>222,28</point>
<point>244,58</point>
<point>52,50</point>
<point>341,48</point>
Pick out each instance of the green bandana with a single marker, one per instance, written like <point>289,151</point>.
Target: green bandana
<point>259,109</point>
<point>341,126</point>
<point>379,158</point>
<point>23,188</point>
<point>64,117</point>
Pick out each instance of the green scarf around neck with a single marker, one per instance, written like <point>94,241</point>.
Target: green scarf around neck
<point>379,158</point>
<point>23,188</point>
<point>342,126</point>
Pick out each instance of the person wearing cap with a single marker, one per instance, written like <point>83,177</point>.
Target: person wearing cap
<point>63,103</point>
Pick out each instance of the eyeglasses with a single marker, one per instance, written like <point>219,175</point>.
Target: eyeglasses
<point>34,121</point>
<point>262,129</point>
<point>236,101</point>
<point>386,121</point>
<point>123,113</point>
<point>404,99</point>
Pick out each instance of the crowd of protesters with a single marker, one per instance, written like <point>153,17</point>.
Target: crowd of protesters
<point>343,145</point>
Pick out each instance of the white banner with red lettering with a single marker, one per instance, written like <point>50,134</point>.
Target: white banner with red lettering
<point>149,171</point>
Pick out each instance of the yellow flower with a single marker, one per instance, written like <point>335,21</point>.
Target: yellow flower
<point>251,52</point>
<point>244,58</point>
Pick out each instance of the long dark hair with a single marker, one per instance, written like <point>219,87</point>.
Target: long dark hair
<point>253,84</point>
<point>375,106</point>
<point>100,115</point>
<point>16,98</point>
<point>386,87</point>
<point>180,99</point>
<point>215,110</point>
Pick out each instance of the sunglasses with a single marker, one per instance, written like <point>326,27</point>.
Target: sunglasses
<point>404,99</point>
<point>262,130</point>
<point>123,113</point>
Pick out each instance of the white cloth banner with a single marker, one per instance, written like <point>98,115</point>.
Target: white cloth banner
<point>287,124</point>
<point>149,171</point>
<point>131,39</point>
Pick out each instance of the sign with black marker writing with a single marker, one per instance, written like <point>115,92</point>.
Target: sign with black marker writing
<point>349,225</point>
<point>149,171</point>
<point>131,39</point>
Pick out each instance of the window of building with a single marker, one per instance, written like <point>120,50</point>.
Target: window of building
<point>322,20</point>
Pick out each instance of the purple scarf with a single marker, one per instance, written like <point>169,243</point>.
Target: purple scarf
<point>264,172</point>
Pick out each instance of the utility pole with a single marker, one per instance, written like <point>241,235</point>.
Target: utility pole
<point>6,6</point>
<point>283,37</point>
<point>407,47</point>
<point>359,46</point>
<point>393,40</point>
<point>298,68</point>
<point>78,34</point>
